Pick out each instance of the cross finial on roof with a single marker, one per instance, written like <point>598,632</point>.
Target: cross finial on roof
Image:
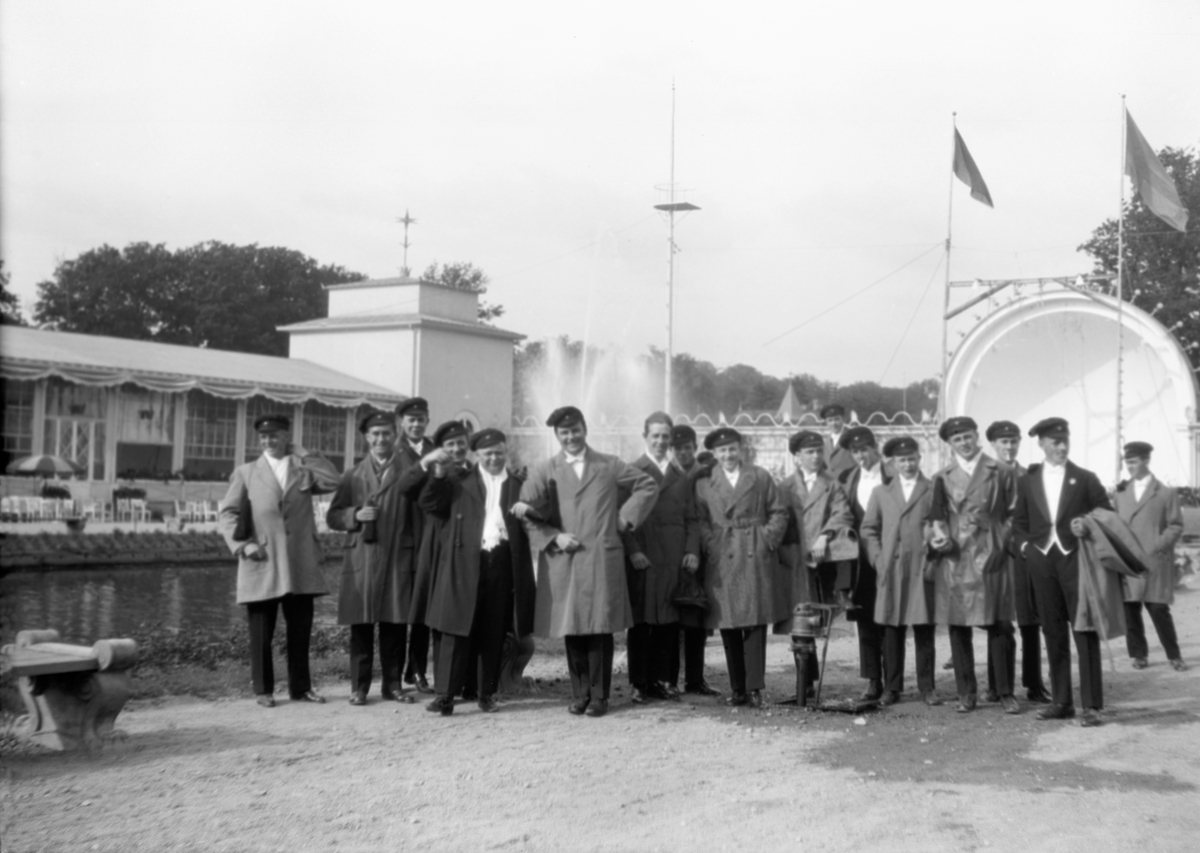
<point>406,221</point>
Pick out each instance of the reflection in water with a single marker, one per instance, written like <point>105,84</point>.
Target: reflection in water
<point>85,605</point>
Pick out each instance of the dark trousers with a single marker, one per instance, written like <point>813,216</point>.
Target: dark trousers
<point>653,654</point>
<point>1002,648</point>
<point>418,652</point>
<point>261,615</point>
<point>362,654</point>
<point>590,662</point>
<point>870,648</point>
<point>746,657</point>
<point>457,659</point>
<point>694,642</point>
<point>1031,659</point>
<point>1055,579</point>
<point>894,637</point>
<point>1135,629</point>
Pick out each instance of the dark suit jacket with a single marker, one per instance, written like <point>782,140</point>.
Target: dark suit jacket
<point>1033,520</point>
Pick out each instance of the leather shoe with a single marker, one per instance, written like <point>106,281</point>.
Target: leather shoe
<point>889,697</point>
<point>639,696</point>
<point>669,691</point>
<point>931,699</point>
<point>1178,665</point>
<point>1038,696</point>
<point>578,706</point>
<point>873,692</point>
<point>423,684</point>
<point>1090,717</point>
<point>488,705</point>
<point>991,696</point>
<point>1056,712</point>
<point>265,699</point>
<point>598,708</point>
<point>701,689</point>
<point>358,697</point>
<point>966,704</point>
<point>1140,663</point>
<point>755,699</point>
<point>1010,703</point>
<point>443,705</point>
<point>737,699</point>
<point>309,696</point>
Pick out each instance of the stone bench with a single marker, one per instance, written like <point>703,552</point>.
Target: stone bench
<point>73,694</point>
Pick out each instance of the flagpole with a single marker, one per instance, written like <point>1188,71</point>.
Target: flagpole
<point>1120,279</point>
<point>946,288</point>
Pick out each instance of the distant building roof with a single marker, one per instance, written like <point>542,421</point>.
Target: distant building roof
<point>399,321</point>
<point>99,360</point>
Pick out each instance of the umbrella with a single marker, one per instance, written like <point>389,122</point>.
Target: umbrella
<point>44,465</point>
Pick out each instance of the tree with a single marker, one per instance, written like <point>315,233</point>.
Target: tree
<point>10,306</point>
<point>464,276</point>
<point>211,294</point>
<point>1162,265</point>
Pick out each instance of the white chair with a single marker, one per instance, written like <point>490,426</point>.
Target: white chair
<point>139,510</point>
<point>124,512</point>
<point>211,510</point>
<point>8,510</point>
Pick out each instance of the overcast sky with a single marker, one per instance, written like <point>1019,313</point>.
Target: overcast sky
<point>529,139</point>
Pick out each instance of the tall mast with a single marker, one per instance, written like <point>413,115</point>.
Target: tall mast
<point>946,297</point>
<point>1121,283</point>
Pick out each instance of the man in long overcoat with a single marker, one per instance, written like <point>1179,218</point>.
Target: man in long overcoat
<point>859,585</point>
<point>743,518</point>
<point>666,543</point>
<point>1052,499</point>
<point>1152,512</point>
<point>1005,438</point>
<point>576,534</point>
<point>412,415</point>
<point>483,583</point>
<point>896,531</point>
<point>376,504</point>
<point>973,502</point>
<point>279,556</point>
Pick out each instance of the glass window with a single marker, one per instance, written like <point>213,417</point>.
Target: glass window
<point>210,436</point>
<point>18,419</point>
<point>325,431</point>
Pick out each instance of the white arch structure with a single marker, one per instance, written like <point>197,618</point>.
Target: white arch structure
<point>1055,353</point>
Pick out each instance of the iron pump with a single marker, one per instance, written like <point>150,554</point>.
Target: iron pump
<point>807,624</point>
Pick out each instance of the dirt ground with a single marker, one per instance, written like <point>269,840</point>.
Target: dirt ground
<point>226,775</point>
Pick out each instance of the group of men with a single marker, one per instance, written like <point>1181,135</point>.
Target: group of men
<point>672,547</point>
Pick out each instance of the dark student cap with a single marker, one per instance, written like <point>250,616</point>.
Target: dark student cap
<point>1138,450</point>
<point>449,430</point>
<point>1051,428</point>
<point>833,410</point>
<point>273,423</point>
<point>1002,429</point>
<point>721,436</point>
<point>901,445</point>
<point>489,437</point>
<point>804,439</point>
<point>856,438</point>
<point>953,426</point>
<point>373,419</point>
<point>412,406</point>
<point>565,416</point>
<point>681,435</point>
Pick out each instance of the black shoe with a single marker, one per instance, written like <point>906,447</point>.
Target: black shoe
<point>488,705</point>
<point>991,696</point>
<point>1010,703</point>
<point>598,708</point>
<point>639,696</point>
<point>889,697</point>
<point>1038,696</point>
<point>470,694</point>
<point>701,689</point>
<point>309,696</point>
<point>755,699</point>
<point>423,684</point>
<point>966,704</point>
<point>737,699</point>
<point>578,706</point>
<point>1178,665</point>
<point>443,705</point>
<point>670,692</point>
<point>358,697</point>
<point>1056,712</point>
<point>265,699</point>
<point>1140,663</point>
<point>873,692</point>
<point>931,699</point>
<point>1090,717</point>
<point>656,691</point>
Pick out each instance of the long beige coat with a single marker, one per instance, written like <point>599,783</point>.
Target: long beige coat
<point>825,509</point>
<point>1157,522</point>
<point>284,527</point>
<point>895,532</point>
<point>742,528</point>
<point>584,592</point>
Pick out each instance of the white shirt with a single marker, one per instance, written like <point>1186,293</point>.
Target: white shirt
<point>576,463</point>
<point>663,464</point>
<point>868,479</point>
<point>1052,482</point>
<point>907,486</point>
<point>494,530</point>
<point>969,465</point>
<point>279,467</point>
<point>810,480</point>
<point>732,476</point>
<point>1139,487</point>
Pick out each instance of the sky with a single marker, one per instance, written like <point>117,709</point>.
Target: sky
<point>533,139</point>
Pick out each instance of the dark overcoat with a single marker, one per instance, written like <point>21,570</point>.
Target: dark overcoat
<point>1157,522</point>
<point>456,507</point>
<point>584,592</point>
<point>860,582</point>
<point>1024,603</point>
<point>284,527</point>
<point>670,531</point>
<point>378,577</point>
<point>895,532</point>
<point>742,529</point>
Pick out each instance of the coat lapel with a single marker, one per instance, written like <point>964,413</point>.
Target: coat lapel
<point>1037,491</point>
<point>264,473</point>
<point>1070,484</point>
<point>590,463</point>
<point>820,487</point>
<point>919,489</point>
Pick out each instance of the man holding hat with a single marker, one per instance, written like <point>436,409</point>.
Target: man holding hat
<point>1052,499</point>
<point>837,458</point>
<point>743,518</point>
<point>859,586</point>
<point>482,584</point>
<point>894,529</point>
<point>667,543</point>
<point>1152,512</point>
<point>266,518</point>
<point>972,506</point>
<point>376,503</point>
<point>1005,438</point>
<point>581,591</point>
<point>413,416</point>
